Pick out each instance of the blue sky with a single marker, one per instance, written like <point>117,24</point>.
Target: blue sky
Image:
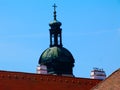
<point>91,31</point>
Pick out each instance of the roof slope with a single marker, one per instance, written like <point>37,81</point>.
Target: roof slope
<point>111,83</point>
<point>28,81</point>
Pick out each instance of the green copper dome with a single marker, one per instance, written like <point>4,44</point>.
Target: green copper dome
<point>58,61</point>
<point>59,54</point>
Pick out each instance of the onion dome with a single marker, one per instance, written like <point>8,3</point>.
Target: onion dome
<point>55,23</point>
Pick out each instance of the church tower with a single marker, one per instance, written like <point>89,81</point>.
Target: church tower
<point>56,59</point>
<point>55,31</point>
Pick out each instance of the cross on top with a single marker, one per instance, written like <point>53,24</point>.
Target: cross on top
<point>54,11</point>
<point>54,7</point>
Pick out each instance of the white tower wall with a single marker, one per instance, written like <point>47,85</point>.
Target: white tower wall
<point>97,73</point>
<point>42,69</point>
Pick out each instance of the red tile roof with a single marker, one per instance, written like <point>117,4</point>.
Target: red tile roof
<point>28,81</point>
<point>110,83</point>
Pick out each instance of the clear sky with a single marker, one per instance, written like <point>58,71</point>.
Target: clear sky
<point>91,31</point>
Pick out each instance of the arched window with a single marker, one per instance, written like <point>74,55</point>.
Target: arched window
<point>52,39</point>
<point>58,39</point>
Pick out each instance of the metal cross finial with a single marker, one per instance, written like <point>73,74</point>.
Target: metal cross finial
<point>54,11</point>
<point>54,7</point>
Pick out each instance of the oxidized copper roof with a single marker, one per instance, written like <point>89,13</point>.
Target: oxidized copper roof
<point>56,53</point>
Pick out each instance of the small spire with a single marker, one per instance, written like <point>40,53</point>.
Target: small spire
<point>54,11</point>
